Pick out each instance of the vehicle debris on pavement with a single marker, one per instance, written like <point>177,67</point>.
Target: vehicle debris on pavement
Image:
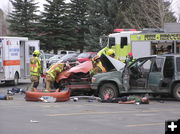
<point>48,99</point>
<point>34,121</point>
<point>6,97</point>
<point>40,95</point>
<point>75,99</point>
<point>15,90</point>
<point>88,98</point>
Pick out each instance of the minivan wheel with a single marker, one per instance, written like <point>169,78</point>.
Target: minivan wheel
<point>109,89</point>
<point>15,82</point>
<point>176,92</point>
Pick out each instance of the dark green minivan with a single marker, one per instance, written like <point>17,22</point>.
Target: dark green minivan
<point>157,74</point>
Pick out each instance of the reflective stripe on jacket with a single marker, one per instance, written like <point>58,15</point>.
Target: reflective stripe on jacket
<point>54,70</point>
<point>129,61</point>
<point>35,66</point>
<point>97,68</point>
<point>101,67</point>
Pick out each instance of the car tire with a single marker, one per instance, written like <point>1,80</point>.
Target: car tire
<point>176,92</point>
<point>108,88</point>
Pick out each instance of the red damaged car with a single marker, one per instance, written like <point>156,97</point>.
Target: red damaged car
<point>76,79</point>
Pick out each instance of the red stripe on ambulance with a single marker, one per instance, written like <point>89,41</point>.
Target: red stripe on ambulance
<point>11,62</point>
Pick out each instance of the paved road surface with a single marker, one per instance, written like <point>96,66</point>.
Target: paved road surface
<point>83,117</point>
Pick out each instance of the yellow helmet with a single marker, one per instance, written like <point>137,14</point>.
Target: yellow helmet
<point>110,52</point>
<point>36,52</point>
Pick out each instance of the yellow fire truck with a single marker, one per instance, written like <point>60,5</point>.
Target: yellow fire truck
<point>141,43</point>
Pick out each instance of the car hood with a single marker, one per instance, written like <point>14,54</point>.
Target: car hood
<point>81,68</point>
<point>110,63</point>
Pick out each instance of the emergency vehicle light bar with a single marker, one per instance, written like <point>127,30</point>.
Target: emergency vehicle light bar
<point>121,30</point>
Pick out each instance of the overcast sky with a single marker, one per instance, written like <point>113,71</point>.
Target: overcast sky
<point>176,8</point>
<point>4,4</point>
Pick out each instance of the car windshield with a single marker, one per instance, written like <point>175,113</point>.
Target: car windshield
<point>55,57</point>
<point>84,55</point>
<point>47,56</point>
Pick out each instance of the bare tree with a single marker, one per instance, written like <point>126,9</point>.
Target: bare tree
<point>3,26</point>
<point>148,13</point>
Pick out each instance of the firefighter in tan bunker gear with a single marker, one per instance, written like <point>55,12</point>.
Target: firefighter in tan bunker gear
<point>35,70</point>
<point>97,66</point>
<point>53,72</point>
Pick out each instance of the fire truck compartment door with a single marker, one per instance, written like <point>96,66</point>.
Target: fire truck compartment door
<point>141,48</point>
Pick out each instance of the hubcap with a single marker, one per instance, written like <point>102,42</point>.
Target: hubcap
<point>16,80</point>
<point>109,91</point>
<point>178,92</point>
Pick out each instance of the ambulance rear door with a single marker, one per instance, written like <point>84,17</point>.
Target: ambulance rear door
<point>11,58</point>
<point>29,48</point>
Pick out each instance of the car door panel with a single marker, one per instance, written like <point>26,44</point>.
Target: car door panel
<point>156,75</point>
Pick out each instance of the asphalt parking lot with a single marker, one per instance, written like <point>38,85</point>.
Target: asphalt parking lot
<point>82,117</point>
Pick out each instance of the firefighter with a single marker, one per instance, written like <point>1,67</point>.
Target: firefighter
<point>103,51</point>
<point>111,53</point>
<point>108,51</point>
<point>53,72</point>
<point>35,70</point>
<point>97,66</point>
<point>129,59</point>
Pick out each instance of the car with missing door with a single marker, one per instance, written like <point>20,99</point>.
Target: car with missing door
<point>156,75</point>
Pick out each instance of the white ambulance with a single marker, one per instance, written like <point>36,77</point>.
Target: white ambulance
<point>15,53</point>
